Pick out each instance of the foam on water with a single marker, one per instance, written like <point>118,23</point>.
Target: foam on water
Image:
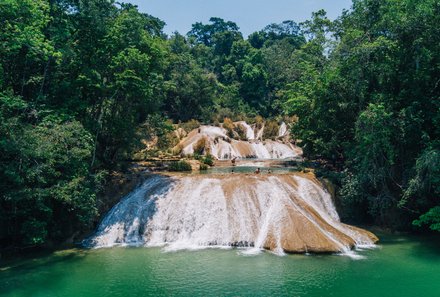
<point>251,164</point>
<point>195,213</point>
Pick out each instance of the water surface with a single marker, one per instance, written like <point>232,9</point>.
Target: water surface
<point>401,266</point>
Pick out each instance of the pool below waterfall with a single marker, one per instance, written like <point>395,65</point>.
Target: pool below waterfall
<point>400,266</point>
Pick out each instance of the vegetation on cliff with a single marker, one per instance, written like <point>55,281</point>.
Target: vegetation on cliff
<point>370,105</point>
<point>83,82</point>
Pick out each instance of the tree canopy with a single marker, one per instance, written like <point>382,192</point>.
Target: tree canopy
<point>82,82</point>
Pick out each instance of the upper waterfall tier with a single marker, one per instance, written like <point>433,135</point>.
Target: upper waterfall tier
<point>284,212</point>
<point>224,144</point>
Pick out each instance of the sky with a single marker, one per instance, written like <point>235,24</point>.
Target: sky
<point>250,15</point>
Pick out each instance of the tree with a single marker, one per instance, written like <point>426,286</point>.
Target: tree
<point>117,82</point>
<point>189,90</point>
<point>77,80</point>
<point>205,34</point>
<point>289,31</point>
<point>25,50</point>
<point>46,188</point>
<point>371,102</point>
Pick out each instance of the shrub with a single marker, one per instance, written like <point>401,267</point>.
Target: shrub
<point>271,130</point>
<point>241,131</point>
<point>203,167</point>
<point>177,150</point>
<point>259,122</point>
<point>229,126</point>
<point>199,146</point>
<point>208,160</point>
<point>167,140</point>
<point>431,218</point>
<point>180,166</point>
<point>190,125</point>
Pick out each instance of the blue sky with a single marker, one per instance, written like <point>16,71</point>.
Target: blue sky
<point>250,15</point>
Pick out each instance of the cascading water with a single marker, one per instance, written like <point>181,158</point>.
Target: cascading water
<point>250,134</point>
<point>221,146</point>
<point>284,212</point>
<point>283,130</point>
<point>124,224</point>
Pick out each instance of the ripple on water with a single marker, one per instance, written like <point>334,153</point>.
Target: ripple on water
<point>403,268</point>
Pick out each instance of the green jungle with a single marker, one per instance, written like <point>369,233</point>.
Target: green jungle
<point>85,84</point>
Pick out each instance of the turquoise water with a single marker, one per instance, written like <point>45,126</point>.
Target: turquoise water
<point>247,169</point>
<point>401,266</point>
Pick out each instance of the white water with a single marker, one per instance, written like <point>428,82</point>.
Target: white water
<point>250,134</point>
<point>322,202</point>
<point>125,222</point>
<point>193,212</point>
<point>283,130</point>
<point>260,150</point>
<point>280,150</point>
<point>259,134</point>
<point>251,164</point>
<point>222,147</point>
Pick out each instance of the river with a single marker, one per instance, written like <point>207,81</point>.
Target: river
<point>400,266</point>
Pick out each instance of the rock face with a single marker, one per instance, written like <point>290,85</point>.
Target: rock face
<point>215,141</point>
<point>283,212</point>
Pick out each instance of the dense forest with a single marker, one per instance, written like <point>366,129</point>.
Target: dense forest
<point>82,82</point>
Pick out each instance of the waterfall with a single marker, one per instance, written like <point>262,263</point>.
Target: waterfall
<point>250,134</point>
<point>283,212</point>
<point>283,130</point>
<point>124,224</point>
<point>222,147</point>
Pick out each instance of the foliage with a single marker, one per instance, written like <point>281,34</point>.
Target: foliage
<point>207,34</point>
<point>85,84</point>
<point>208,160</point>
<point>190,125</point>
<point>271,129</point>
<point>177,150</point>
<point>423,190</point>
<point>46,187</point>
<point>189,89</point>
<point>180,166</point>
<point>367,101</point>
<point>203,167</point>
<point>241,131</point>
<point>199,146</point>
<point>77,78</point>
<point>228,124</point>
<point>259,122</point>
<point>156,128</point>
<point>431,218</point>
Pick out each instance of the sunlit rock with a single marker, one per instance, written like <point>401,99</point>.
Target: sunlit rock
<point>282,212</point>
<point>223,147</point>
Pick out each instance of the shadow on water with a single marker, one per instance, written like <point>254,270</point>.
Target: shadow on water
<point>426,247</point>
<point>20,274</point>
<point>421,246</point>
